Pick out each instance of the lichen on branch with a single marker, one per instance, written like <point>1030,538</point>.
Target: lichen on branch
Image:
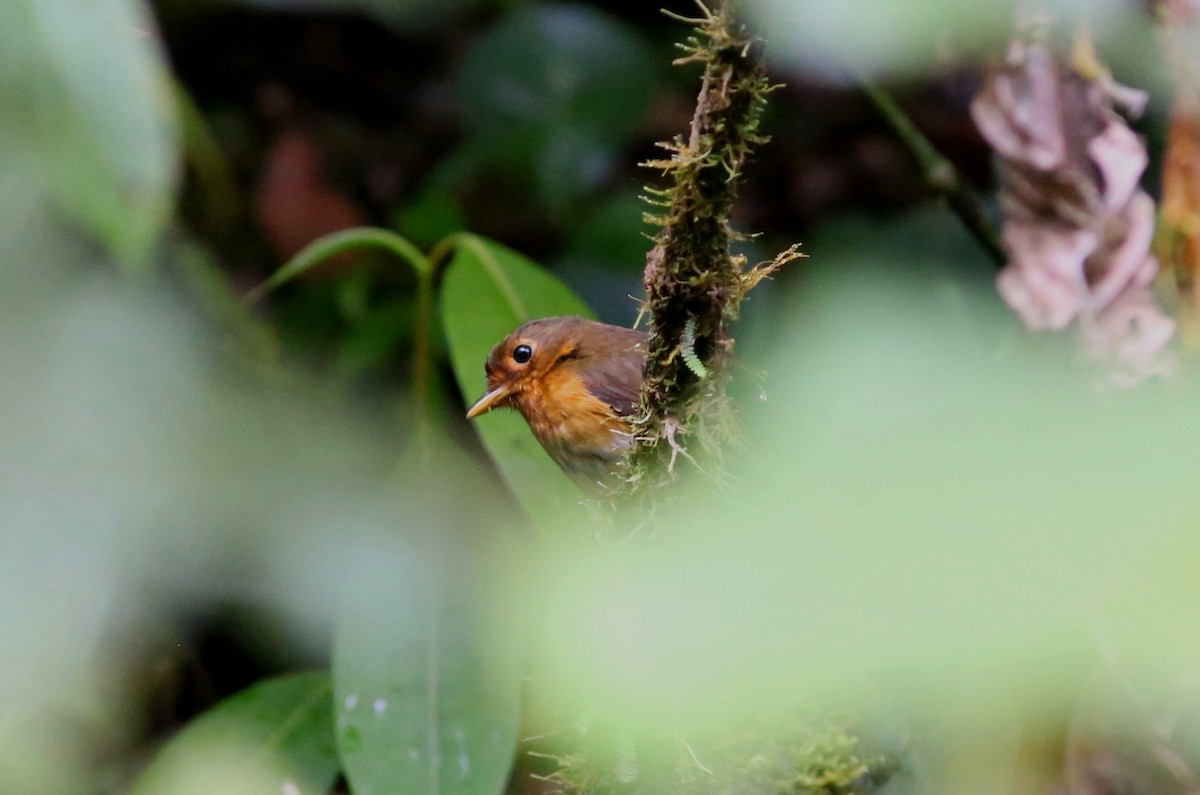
<point>693,282</point>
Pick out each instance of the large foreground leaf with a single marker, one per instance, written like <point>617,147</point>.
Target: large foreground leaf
<point>276,736</point>
<point>921,504</point>
<point>427,685</point>
<point>88,113</point>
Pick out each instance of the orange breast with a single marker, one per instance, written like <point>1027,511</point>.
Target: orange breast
<point>579,431</point>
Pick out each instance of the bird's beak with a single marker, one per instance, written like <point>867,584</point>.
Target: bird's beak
<point>489,401</point>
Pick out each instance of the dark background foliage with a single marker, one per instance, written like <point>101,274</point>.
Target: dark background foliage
<point>199,504</point>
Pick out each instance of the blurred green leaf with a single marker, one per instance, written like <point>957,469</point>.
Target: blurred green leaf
<point>888,37</point>
<point>916,506</point>
<point>429,217</point>
<point>404,15</point>
<point>374,339</point>
<point>552,93</point>
<point>284,724</point>
<point>88,113</point>
<point>612,236</point>
<point>605,255</point>
<point>57,580</point>
<point>427,686</point>
<point>215,297</point>
<point>487,292</point>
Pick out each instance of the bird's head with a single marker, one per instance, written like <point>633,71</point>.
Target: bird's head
<point>528,356</point>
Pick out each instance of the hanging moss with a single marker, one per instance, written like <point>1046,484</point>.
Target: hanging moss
<point>824,758</point>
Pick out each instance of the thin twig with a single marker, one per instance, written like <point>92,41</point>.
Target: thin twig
<point>939,173</point>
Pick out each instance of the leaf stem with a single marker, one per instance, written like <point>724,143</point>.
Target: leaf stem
<point>371,237</point>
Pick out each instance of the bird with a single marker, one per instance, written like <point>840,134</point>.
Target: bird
<point>576,383</point>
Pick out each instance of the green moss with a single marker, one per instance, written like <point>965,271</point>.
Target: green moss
<point>800,759</point>
<point>693,284</point>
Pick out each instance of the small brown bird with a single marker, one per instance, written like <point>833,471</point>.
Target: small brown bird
<point>575,382</point>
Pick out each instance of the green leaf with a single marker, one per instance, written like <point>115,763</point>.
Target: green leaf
<point>430,217</point>
<point>883,36</point>
<point>487,292</point>
<point>88,113</point>
<point>371,343</point>
<point>427,687</point>
<point>606,253</point>
<point>612,237</point>
<point>553,93</point>
<point>277,734</point>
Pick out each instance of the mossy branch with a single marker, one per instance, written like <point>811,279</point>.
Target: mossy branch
<point>693,283</point>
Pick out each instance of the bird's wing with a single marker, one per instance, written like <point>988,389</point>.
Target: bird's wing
<point>615,375</point>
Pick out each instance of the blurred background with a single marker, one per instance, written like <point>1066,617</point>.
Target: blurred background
<point>191,488</point>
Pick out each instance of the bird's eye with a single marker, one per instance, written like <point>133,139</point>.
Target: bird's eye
<point>522,354</point>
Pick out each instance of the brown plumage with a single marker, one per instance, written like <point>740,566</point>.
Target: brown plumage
<point>575,382</point>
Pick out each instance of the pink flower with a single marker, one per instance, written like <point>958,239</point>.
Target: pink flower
<point>1077,226</point>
